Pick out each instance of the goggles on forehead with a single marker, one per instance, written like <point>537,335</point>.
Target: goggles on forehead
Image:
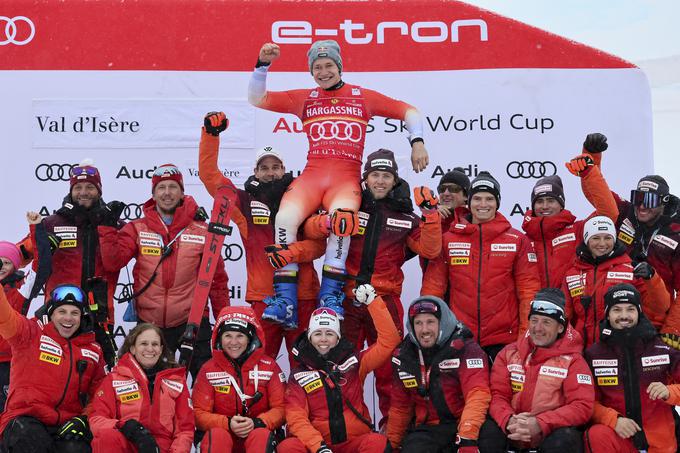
<point>646,199</point>
<point>544,307</point>
<point>78,170</point>
<point>452,188</point>
<point>67,293</point>
<point>424,306</point>
<point>166,171</point>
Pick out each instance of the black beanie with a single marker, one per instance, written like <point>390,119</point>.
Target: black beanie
<point>484,182</point>
<point>381,160</point>
<point>456,176</point>
<point>623,293</point>
<point>555,305</point>
<point>550,186</point>
<point>653,183</point>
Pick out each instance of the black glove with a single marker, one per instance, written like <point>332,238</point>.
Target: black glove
<point>258,423</point>
<point>643,270</point>
<point>595,143</point>
<point>54,242</point>
<point>215,122</point>
<point>76,428</point>
<point>108,214</point>
<point>324,449</point>
<point>136,433</point>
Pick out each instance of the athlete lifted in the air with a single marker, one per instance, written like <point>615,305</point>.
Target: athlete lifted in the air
<point>334,117</point>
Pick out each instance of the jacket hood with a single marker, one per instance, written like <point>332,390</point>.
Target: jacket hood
<point>256,346</point>
<point>549,226</point>
<point>184,214</point>
<point>269,192</point>
<point>448,324</point>
<point>76,213</point>
<point>643,331</point>
<point>570,342</point>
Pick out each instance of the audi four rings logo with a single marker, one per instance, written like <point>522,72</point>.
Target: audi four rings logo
<point>527,170</point>
<point>19,30</point>
<point>53,172</point>
<point>232,252</point>
<point>339,130</point>
<point>123,291</point>
<point>132,211</point>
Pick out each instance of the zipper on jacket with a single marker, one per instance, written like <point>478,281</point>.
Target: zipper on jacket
<point>545,254</point>
<point>68,381</point>
<point>89,255</point>
<point>594,304</point>
<point>370,248</point>
<point>631,389</point>
<point>479,288</point>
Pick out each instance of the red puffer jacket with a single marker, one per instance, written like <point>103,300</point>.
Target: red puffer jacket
<point>167,302</point>
<point>45,380</point>
<point>490,270</point>
<point>215,395</point>
<point>124,395</point>
<point>587,281</point>
<point>552,383</point>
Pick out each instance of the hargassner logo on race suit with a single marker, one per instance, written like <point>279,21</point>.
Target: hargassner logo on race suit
<point>356,32</point>
<point>17,30</point>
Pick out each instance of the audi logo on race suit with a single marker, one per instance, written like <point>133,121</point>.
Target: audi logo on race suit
<point>335,130</point>
<point>527,170</point>
<point>53,172</point>
<point>123,291</point>
<point>18,30</point>
<point>232,252</point>
<point>132,211</point>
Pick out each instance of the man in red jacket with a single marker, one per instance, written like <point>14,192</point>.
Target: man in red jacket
<point>541,387</point>
<point>489,269</point>
<point>167,244</point>
<point>56,368</point>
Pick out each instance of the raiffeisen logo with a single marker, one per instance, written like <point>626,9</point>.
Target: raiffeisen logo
<point>303,32</point>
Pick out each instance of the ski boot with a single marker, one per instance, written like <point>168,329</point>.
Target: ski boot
<point>282,307</point>
<point>330,294</point>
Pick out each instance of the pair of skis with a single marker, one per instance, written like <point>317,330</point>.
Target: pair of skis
<point>218,228</point>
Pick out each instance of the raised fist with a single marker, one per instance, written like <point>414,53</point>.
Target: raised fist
<point>269,52</point>
<point>595,143</point>
<point>215,122</point>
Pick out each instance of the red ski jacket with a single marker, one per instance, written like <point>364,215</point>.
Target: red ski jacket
<point>490,271</point>
<point>124,395</point>
<point>221,383</point>
<point>167,302</point>
<point>45,382</point>
<point>552,383</point>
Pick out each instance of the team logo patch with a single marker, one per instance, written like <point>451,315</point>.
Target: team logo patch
<point>503,247</point>
<point>404,375</point>
<point>150,242</point>
<point>128,388</point>
<point>605,362</point>
<point>217,375</point>
<point>665,240</point>
<point>261,220</point>
<point>449,364</point>
<point>663,359</point>
<point>356,92</point>
<point>68,244</point>
<point>314,385</point>
<point>65,229</point>
<point>517,386</point>
<point>584,379</point>
<point>129,397</point>
<point>348,363</point>
<point>263,375</point>
<point>576,291</point>
<point>305,377</point>
<point>553,371</point>
<point>605,381</point>
<point>475,363</point>
<point>174,385</point>
<point>67,235</point>
<point>459,252</point>
<point>50,358</point>
<point>282,376</point>
<point>625,238</point>
<point>151,251</point>
<point>51,349</point>
<point>606,371</point>
<point>620,275</point>
<point>90,355</point>
<point>399,223</point>
<point>518,377</point>
<point>459,245</point>
<point>410,383</point>
<point>460,261</point>
<point>531,257</point>
<point>223,389</point>
<point>192,238</point>
<point>396,361</point>
<point>571,237</point>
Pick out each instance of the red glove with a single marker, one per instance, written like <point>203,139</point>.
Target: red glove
<point>425,199</point>
<point>278,255</point>
<point>344,222</point>
<point>215,122</point>
<point>580,165</point>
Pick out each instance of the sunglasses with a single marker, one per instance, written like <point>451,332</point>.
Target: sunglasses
<point>67,293</point>
<point>647,199</point>
<point>452,188</point>
<point>423,307</point>
<point>549,308</point>
<point>77,171</point>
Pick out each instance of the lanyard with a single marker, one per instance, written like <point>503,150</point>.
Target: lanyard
<point>424,373</point>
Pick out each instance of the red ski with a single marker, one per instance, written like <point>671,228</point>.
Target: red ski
<point>218,228</point>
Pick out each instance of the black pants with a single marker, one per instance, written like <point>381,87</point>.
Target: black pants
<point>492,351</point>
<point>4,384</point>
<point>492,439</point>
<point>202,351</point>
<point>430,439</point>
<point>29,435</point>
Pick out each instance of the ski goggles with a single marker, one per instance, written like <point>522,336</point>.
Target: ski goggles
<point>166,170</point>
<point>543,307</point>
<point>647,199</point>
<point>78,170</point>
<point>451,188</point>
<point>67,293</point>
<point>423,306</point>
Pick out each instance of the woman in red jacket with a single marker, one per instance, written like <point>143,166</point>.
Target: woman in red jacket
<point>602,262</point>
<point>143,404</point>
<point>238,396</point>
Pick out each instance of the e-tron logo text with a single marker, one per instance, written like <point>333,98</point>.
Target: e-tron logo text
<point>19,30</point>
<point>232,252</point>
<point>132,211</point>
<point>338,130</point>
<point>530,169</point>
<point>302,32</point>
<point>53,172</point>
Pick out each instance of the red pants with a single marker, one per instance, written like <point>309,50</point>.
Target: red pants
<point>331,183</point>
<point>602,439</point>
<point>358,327</point>
<point>275,333</point>
<point>219,440</point>
<point>113,441</point>
<point>366,443</point>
